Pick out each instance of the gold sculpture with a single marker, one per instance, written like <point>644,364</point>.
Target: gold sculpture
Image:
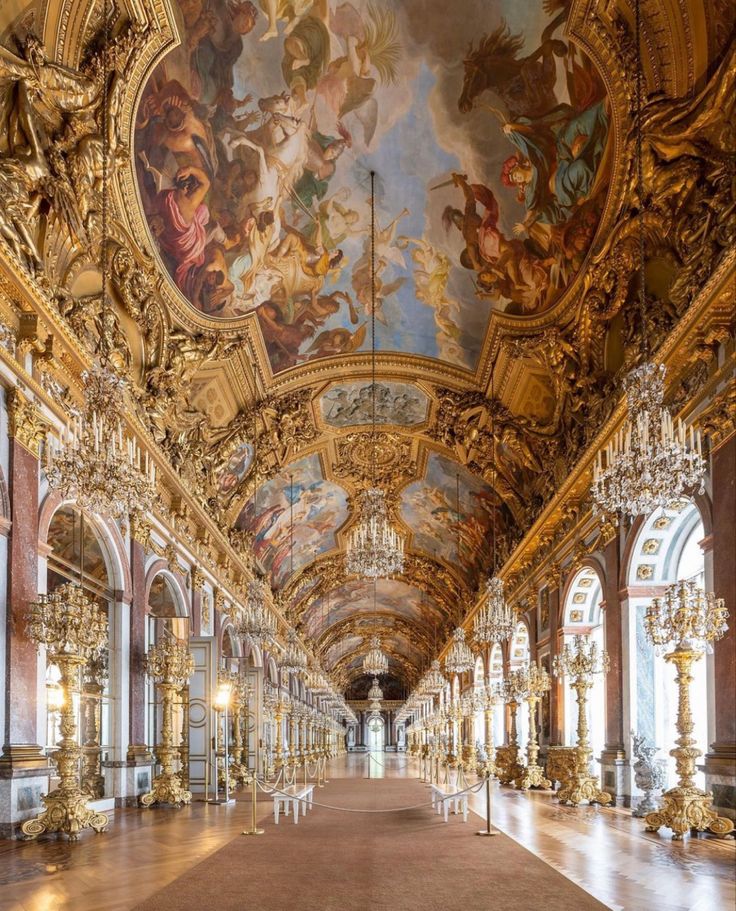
<point>686,619</point>
<point>72,628</point>
<point>535,682</point>
<point>508,767</point>
<point>170,663</point>
<point>580,661</point>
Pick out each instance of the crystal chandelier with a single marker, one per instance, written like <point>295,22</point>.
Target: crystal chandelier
<point>434,680</point>
<point>648,465</point>
<point>255,622</point>
<point>96,465</point>
<point>686,618</point>
<point>375,550</point>
<point>459,658</point>
<point>375,662</point>
<point>495,620</point>
<point>294,659</point>
<point>375,692</point>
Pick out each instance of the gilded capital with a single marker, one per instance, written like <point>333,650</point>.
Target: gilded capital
<point>26,425</point>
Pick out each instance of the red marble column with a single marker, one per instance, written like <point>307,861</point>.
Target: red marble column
<point>613,756</point>
<point>721,759</point>
<point>20,746</point>
<point>137,746</point>
<point>556,692</point>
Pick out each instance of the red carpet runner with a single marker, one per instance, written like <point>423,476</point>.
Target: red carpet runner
<point>335,861</point>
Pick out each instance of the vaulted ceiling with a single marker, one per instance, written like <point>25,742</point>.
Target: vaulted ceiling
<point>498,136</point>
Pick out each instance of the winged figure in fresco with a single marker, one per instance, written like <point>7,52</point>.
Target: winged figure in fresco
<point>372,55</point>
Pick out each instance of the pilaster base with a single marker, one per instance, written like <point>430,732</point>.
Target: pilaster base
<point>720,778</point>
<point>614,765</point>
<point>685,809</point>
<point>129,780</point>
<point>24,779</point>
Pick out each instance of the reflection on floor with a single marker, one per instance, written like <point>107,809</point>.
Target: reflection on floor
<point>606,852</point>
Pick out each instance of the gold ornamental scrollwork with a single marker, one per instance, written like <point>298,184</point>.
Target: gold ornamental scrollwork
<point>26,425</point>
<point>383,461</point>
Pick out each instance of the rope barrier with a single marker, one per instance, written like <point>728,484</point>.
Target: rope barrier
<point>473,789</point>
<point>370,756</point>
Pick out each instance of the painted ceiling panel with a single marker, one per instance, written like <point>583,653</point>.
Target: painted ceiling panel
<point>428,507</point>
<point>318,508</point>
<point>392,597</point>
<point>350,405</point>
<point>487,130</point>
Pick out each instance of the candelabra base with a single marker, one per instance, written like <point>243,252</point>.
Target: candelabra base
<point>685,809</point>
<point>532,777</point>
<point>167,789</point>
<point>582,789</point>
<point>508,767</point>
<point>65,812</point>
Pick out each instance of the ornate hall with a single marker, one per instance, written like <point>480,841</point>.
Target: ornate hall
<point>367,455</point>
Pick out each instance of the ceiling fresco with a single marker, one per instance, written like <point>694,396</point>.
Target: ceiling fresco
<point>487,130</point>
<point>393,597</point>
<point>318,508</point>
<point>351,404</point>
<point>458,536</point>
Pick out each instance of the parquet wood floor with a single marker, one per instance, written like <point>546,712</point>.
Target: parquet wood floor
<point>606,852</point>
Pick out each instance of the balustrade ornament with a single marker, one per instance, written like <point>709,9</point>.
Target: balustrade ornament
<point>73,629</point>
<point>686,621</point>
<point>580,661</point>
<point>170,664</point>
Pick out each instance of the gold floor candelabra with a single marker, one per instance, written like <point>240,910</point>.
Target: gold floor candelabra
<point>535,682</point>
<point>170,664</point>
<point>508,767</point>
<point>73,629</point>
<point>686,621</point>
<point>580,661</point>
<point>488,698</point>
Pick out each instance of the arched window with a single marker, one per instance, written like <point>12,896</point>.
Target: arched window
<point>496,678</point>
<point>667,549</point>
<point>79,555</point>
<point>166,613</point>
<point>583,616</point>
<point>519,657</point>
<point>479,721</point>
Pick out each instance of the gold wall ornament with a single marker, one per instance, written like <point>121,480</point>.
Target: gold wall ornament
<point>686,620</point>
<point>393,460</point>
<point>73,629</point>
<point>25,423</point>
<point>580,660</point>
<point>170,663</point>
<point>718,420</point>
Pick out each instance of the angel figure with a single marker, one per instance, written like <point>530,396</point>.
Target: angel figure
<point>371,46</point>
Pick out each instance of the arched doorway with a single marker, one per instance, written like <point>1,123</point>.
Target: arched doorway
<point>376,734</point>
<point>582,616</point>
<point>666,549</point>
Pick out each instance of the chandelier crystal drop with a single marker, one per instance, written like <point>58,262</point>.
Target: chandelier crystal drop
<point>494,622</point>
<point>254,622</point>
<point>96,464</point>
<point>459,658</point>
<point>294,660</point>
<point>375,662</point>
<point>375,550</point>
<point>649,464</point>
<point>686,618</point>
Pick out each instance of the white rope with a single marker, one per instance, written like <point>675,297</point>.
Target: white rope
<point>474,789</point>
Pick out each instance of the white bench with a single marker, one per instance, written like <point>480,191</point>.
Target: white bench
<point>443,795</point>
<point>293,798</point>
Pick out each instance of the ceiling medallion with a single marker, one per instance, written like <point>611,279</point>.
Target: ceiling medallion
<point>385,457</point>
<point>648,465</point>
